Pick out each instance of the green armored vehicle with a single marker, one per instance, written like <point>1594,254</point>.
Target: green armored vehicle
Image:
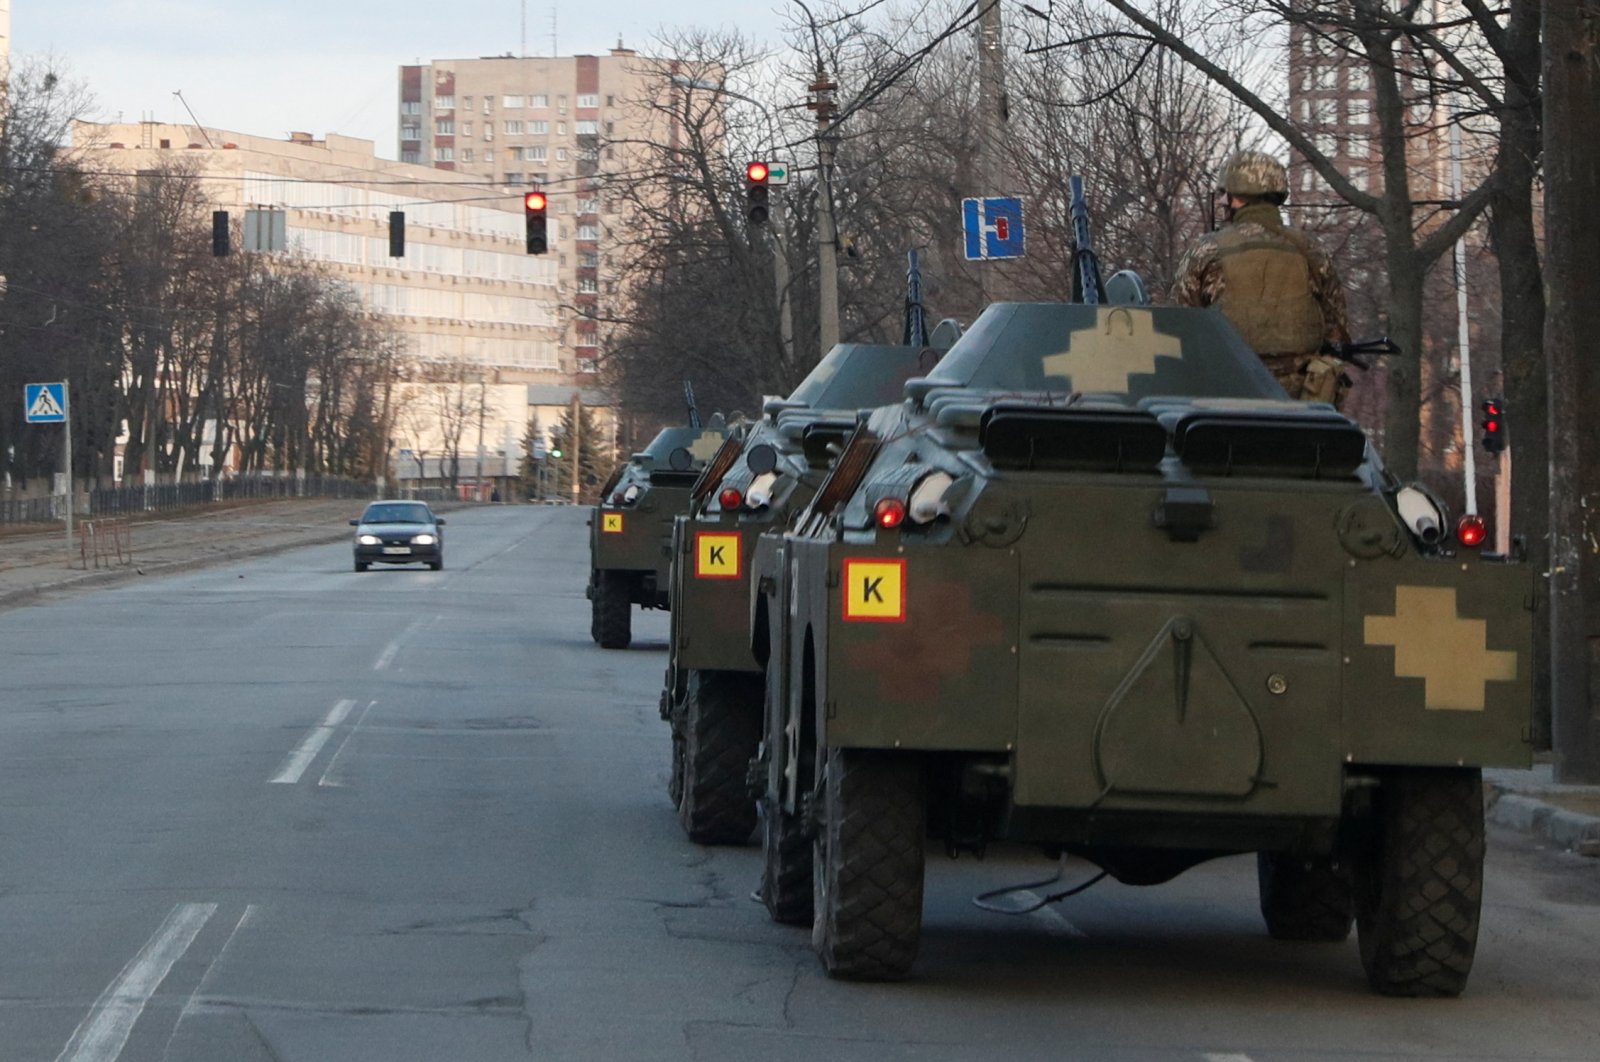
<point>630,531</point>
<point>761,477</point>
<point>1097,586</point>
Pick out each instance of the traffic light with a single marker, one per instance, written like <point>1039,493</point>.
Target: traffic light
<point>534,205</point>
<point>1494,424</point>
<point>219,233</point>
<point>755,192</point>
<point>397,234</point>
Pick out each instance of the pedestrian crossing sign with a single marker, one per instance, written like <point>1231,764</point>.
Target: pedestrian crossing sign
<point>45,403</point>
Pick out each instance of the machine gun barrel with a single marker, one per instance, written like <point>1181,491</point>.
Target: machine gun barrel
<point>694,410</point>
<point>1086,285</point>
<point>916,330</point>
<point>1357,351</point>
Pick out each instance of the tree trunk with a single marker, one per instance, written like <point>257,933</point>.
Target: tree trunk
<point>1511,233</point>
<point>1572,200</point>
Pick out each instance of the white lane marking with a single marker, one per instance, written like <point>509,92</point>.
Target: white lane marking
<point>1056,920</point>
<point>301,757</point>
<point>329,778</point>
<point>390,651</point>
<point>104,1031</point>
<point>1226,1058</point>
<point>205,979</point>
<point>386,657</point>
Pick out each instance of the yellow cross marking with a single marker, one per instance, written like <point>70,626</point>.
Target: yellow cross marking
<point>706,447</point>
<point>1434,643</point>
<point>1123,342</point>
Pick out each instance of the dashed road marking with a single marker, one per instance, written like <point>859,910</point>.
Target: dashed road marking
<point>197,997</point>
<point>329,778</point>
<point>103,1033</point>
<point>301,757</point>
<point>1226,1058</point>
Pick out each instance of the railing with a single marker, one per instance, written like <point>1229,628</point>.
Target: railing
<point>29,510</point>
<point>105,543</point>
<point>168,497</point>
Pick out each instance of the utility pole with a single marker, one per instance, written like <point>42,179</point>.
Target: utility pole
<point>827,234</point>
<point>1571,77</point>
<point>780,273</point>
<point>577,445</point>
<point>992,117</point>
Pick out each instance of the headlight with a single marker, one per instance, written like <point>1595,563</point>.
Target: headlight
<point>423,540</point>
<point>368,540</point>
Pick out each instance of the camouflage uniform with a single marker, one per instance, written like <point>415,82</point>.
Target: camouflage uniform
<point>1285,296</point>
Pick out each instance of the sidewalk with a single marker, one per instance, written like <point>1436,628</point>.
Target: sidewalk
<point>36,564</point>
<point>1531,801</point>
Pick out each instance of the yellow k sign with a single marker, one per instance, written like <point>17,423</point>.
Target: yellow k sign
<point>875,591</point>
<point>716,555</point>
<point>611,523</point>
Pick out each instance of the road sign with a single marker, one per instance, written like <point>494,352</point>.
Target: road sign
<point>993,228</point>
<point>45,403</point>
<point>777,173</point>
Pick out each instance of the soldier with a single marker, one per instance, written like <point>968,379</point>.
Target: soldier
<point>1274,283</point>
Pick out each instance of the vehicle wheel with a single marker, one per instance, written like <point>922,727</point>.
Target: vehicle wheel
<point>786,887</point>
<point>1419,884</point>
<point>1305,897</point>
<point>613,612</point>
<point>675,779</point>
<point>721,735</point>
<point>436,564</point>
<point>361,566</point>
<point>867,865</point>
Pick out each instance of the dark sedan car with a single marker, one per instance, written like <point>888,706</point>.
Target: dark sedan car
<point>399,532</point>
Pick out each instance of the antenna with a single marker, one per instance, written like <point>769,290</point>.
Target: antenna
<point>522,42</point>
<point>179,93</point>
<point>553,50</point>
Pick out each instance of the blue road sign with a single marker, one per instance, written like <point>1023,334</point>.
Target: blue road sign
<point>45,403</point>
<point>993,227</point>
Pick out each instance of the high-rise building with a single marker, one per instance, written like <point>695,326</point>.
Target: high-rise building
<point>560,124</point>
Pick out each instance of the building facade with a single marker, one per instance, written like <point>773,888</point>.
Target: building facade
<point>560,124</point>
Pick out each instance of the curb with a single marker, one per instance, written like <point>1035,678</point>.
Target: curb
<point>1530,815</point>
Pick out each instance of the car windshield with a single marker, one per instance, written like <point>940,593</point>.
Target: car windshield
<point>397,513</point>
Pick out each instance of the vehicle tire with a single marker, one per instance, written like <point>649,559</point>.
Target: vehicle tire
<point>1419,883</point>
<point>613,612</point>
<point>436,564</point>
<point>786,872</point>
<point>721,735</point>
<point>867,865</point>
<point>1305,897</point>
<point>675,779</point>
<point>361,566</point>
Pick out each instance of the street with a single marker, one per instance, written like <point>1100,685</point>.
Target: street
<point>277,810</point>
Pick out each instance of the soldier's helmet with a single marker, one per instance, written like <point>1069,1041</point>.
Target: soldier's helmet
<point>1255,173</point>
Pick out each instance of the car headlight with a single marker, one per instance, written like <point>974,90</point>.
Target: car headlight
<point>423,540</point>
<point>368,540</point>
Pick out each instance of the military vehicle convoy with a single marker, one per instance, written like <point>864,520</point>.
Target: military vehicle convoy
<point>713,693</point>
<point>630,531</point>
<point>1097,586</point>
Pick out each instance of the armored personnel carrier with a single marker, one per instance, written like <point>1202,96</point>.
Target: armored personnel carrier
<point>630,531</point>
<point>758,480</point>
<point>1098,586</point>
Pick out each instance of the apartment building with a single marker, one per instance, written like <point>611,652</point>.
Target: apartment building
<point>476,313</point>
<point>560,124</point>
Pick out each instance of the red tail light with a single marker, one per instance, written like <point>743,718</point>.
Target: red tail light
<point>1471,530</point>
<point>730,498</point>
<point>889,512</point>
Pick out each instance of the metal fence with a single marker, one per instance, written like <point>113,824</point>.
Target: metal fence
<point>167,497</point>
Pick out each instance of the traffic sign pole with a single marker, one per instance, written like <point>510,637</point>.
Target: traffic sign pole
<point>66,425</point>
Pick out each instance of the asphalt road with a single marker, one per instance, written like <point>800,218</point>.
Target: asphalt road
<point>279,810</point>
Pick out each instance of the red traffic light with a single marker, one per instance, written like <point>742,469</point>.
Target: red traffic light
<point>536,201</point>
<point>757,172</point>
<point>1471,530</point>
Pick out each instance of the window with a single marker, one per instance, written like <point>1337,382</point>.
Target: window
<point>561,105</point>
<point>539,101</point>
<point>1360,112</point>
<point>561,154</point>
<point>586,128</point>
<point>488,130</point>
<point>1327,77</point>
<point>588,232</point>
<point>588,154</point>
<point>1358,177</point>
<point>589,260</point>
<point>609,127</point>
<point>1324,112</point>
<point>466,103</point>
<point>611,101</point>
<point>488,105</point>
<point>540,179</point>
<point>1308,179</point>
<point>513,177</point>
<point>588,206</point>
<point>444,154</point>
<point>466,154</point>
<point>1359,78</point>
<point>411,107</point>
<point>466,128</point>
<point>444,103</point>
<point>411,132</point>
<point>588,100</point>
<point>561,129</point>
<point>444,127</point>
<point>531,154</point>
<point>1325,143</point>
<point>610,153</point>
<point>511,103</point>
<point>539,128</point>
<point>413,156</point>
<point>513,129</point>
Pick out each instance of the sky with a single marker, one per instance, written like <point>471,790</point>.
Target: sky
<point>319,66</point>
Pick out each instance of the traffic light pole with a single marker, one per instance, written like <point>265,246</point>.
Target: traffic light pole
<point>827,235</point>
